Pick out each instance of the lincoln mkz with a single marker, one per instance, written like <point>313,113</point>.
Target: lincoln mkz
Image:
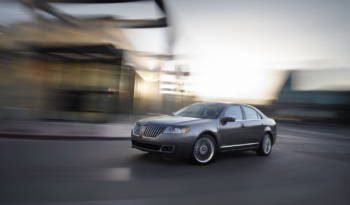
<point>201,130</point>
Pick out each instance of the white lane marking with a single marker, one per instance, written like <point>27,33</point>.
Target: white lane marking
<point>117,174</point>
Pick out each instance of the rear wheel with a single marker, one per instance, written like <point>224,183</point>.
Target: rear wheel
<point>265,146</point>
<point>204,149</point>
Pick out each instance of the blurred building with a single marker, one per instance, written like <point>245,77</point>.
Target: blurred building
<point>53,71</point>
<point>310,95</point>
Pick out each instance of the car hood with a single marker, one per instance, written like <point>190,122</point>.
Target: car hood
<point>172,120</point>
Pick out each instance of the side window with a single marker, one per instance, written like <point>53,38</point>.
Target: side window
<point>234,111</point>
<point>250,114</point>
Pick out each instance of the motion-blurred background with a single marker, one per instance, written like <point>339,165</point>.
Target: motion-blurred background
<point>99,61</point>
<point>75,75</point>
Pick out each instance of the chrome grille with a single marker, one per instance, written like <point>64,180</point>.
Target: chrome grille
<point>153,130</point>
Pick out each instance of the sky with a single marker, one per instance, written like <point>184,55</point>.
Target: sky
<point>237,41</point>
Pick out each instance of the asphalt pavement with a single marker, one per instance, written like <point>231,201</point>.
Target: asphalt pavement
<point>308,165</point>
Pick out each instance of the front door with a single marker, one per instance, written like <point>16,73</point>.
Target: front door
<point>232,133</point>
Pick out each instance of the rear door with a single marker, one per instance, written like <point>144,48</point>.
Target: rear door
<point>253,126</point>
<point>232,133</point>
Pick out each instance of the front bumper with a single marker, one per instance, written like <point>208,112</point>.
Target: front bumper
<point>172,144</point>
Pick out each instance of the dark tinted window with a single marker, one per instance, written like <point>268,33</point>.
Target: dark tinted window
<point>234,111</point>
<point>250,114</point>
<point>202,110</point>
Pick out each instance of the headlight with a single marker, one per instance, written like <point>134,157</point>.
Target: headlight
<point>136,130</point>
<point>176,130</point>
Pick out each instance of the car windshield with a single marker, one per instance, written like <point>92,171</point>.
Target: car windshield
<point>201,110</point>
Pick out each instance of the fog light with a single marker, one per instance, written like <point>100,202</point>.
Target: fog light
<point>167,148</point>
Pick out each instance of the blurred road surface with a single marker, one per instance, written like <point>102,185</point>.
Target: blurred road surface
<point>308,165</point>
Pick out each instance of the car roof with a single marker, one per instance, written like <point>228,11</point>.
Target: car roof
<point>225,103</point>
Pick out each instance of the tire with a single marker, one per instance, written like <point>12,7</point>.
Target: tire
<point>204,150</point>
<point>265,146</point>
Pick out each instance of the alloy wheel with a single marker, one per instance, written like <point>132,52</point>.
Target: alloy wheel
<point>204,150</point>
<point>267,145</point>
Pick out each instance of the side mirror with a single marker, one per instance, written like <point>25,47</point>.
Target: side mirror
<point>227,119</point>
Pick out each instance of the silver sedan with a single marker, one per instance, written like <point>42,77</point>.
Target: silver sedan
<point>201,130</point>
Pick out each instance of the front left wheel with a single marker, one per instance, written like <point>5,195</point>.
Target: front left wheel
<point>204,149</point>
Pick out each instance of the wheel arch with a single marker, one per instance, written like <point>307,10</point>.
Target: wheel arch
<point>211,133</point>
<point>269,132</point>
